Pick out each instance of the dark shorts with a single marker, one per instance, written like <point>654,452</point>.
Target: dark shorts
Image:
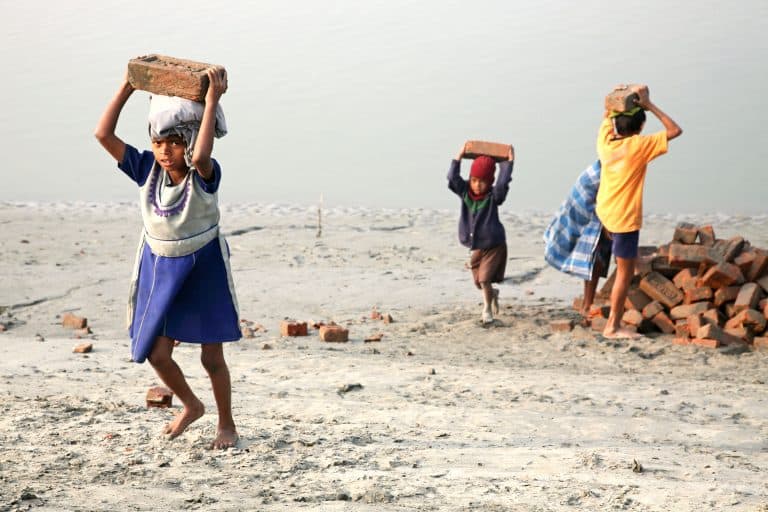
<point>625,244</point>
<point>603,253</point>
<point>488,265</point>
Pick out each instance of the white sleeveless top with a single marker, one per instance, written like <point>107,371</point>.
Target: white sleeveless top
<point>178,219</point>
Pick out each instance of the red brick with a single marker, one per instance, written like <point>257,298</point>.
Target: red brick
<point>681,329</point>
<point>73,321</point>
<point>714,316</point>
<point>563,325</point>
<point>644,265</point>
<point>687,310</point>
<point>632,317</point>
<point>759,266</point>
<point>726,294</point>
<point>704,342</point>
<point>652,309</point>
<point>169,76</point>
<point>714,332</point>
<point>159,396</point>
<point>83,348</point>
<point>734,248</point>
<point>749,296</point>
<point>751,318</point>
<point>621,100</point>
<point>695,322</point>
<point>760,342</point>
<point>663,322</point>
<point>697,294</point>
<point>292,328</point>
<point>661,289</point>
<point>661,265</point>
<point>717,251</point>
<point>636,299</point>
<point>684,276</point>
<point>577,302</point>
<point>334,333</point>
<point>602,311</point>
<point>729,309</point>
<point>744,333</point>
<point>495,150</point>
<point>744,261</point>
<point>689,256</point>
<point>763,282</point>
<point>686,233</point>
<point>681,341</point>
<point>706,235</point>
<point>722,274</point>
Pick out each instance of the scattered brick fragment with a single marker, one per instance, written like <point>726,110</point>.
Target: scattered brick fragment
<point>83,348</point>
<point>563,325</point>
<point>334,333</point>
<point>292,328</point>
<point>159,396</point>
<point>73,321</point>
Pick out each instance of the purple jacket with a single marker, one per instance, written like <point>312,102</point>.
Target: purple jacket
<point>479,224</point>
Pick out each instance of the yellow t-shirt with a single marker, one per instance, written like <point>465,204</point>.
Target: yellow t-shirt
<point>624,162</point>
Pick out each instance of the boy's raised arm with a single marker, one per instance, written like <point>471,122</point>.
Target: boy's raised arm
<point>673,129</point>
<point>201,154</point>
<point>105,129</point>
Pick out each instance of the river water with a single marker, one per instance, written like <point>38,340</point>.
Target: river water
<point>365,103</point>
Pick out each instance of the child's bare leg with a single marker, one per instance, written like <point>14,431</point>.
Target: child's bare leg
<point>212,357</point>
<point>625,269</point>
<point>590,287</point>
<point>488,296</point>
<point>170,373</point>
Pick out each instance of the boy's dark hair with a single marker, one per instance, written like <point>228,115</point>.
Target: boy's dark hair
<point>630,125</point>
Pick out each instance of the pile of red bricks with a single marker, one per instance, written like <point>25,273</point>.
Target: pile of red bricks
<point>703,290</point>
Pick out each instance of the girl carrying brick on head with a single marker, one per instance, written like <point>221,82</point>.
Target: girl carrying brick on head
<point>182,288</point>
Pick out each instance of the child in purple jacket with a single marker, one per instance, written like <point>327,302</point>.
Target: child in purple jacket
<point>479,226</point>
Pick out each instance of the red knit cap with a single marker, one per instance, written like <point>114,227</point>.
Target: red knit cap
<point>483,168</point>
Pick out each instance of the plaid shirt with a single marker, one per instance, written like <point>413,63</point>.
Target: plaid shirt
<point>571,238</point>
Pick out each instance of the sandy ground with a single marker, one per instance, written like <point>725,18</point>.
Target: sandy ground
<point>449,416</point>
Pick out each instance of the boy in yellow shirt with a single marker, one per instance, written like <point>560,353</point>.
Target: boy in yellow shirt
<point>624,155</point>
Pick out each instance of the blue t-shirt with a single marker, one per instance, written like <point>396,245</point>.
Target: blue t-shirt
<point>137,166</point>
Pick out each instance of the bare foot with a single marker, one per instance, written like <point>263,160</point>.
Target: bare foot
<point>225,438</point>
<point>620,334</point>
<point>184,419</point>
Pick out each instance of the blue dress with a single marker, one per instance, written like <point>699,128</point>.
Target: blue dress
<point>188,298</point>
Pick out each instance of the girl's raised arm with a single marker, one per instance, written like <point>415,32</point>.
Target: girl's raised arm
<point>105,129</point>
<point>201,154</point>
